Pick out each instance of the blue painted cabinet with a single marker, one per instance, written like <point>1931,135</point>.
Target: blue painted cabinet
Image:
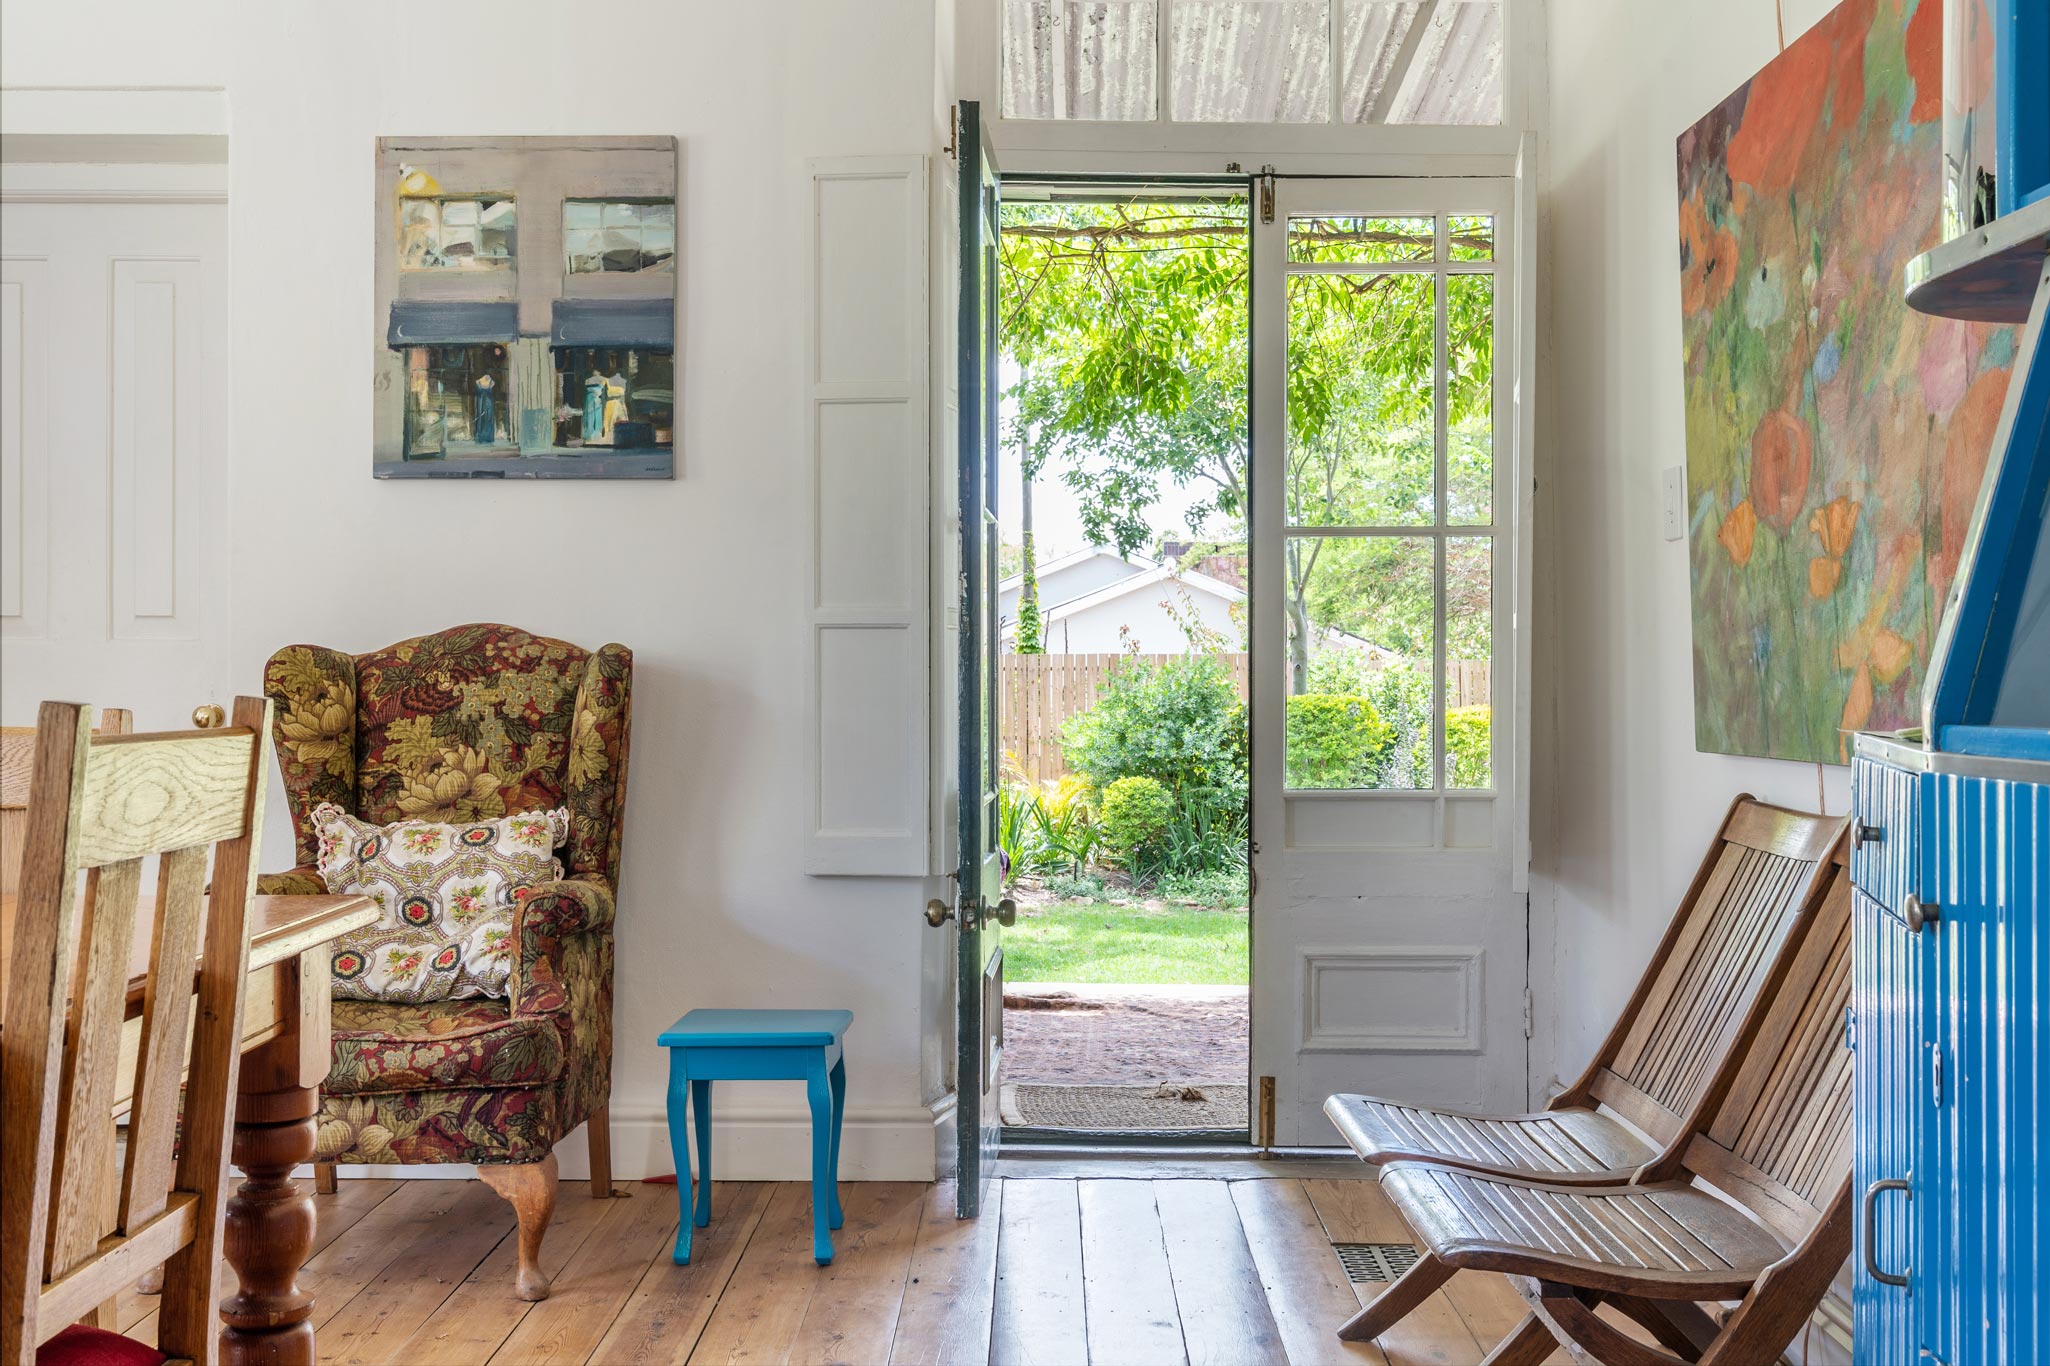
<point>1951,963</point>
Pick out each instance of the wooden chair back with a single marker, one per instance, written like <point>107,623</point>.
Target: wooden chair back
<point>102,805</point>
<point>1662,1066</point>
<point>1780,1144</point>
<point>17,760</point>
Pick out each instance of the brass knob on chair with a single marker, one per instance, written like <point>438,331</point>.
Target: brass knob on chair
<point>208,716</point>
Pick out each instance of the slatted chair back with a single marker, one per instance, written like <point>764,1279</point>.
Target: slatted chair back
<point>1780,1144</point>
<point>1662,1063</point>
<point>101,806</point>
<point>17,760</point>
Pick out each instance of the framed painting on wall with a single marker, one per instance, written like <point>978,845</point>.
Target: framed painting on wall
<point>526,308</point>
<point>1835,437</point>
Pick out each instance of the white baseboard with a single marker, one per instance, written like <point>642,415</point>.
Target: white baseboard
<point>749,1143</point>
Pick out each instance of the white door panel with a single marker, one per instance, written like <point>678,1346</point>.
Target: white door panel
<point>112,506</point>
<point>1389,941</point>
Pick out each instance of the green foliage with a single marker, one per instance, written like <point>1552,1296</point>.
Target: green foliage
<point>1050,828</point>
<point>1335,740</point>
<point>1085,887</point>
<point>1466,746</point>
<point>1134,813</point>
<point>1031,625</point>
<point>1180,723</point>
<point>1204,836</point>
<point>1015,825</point>
<point>1224,888</point>
<point>1402,696</point>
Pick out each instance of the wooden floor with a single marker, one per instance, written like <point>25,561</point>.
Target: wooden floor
<point>1058,1270</point>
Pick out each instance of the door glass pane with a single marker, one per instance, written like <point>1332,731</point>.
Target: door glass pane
<point>1407,62</point>
<point>1080,59</point>
<point>1360,627</point>
<point>1250,61</point>
<point>1362,239</point>
<point>1471,238</point>
<point>1361,410</point>
<point>1469,656</point>
<point>1470,399</point>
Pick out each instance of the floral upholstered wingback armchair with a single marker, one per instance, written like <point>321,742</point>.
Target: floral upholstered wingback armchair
<point>472,723</point>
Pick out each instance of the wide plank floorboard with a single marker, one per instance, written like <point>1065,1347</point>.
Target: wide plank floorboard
<point>1121,1270</point>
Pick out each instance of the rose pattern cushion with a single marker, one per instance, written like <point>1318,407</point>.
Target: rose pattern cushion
<point>446,894</point>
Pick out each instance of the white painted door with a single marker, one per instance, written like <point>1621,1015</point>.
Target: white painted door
<point>113,419</point>
<point>1389,934</point>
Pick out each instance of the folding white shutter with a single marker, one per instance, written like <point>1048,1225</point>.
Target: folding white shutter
<point>868,426</point>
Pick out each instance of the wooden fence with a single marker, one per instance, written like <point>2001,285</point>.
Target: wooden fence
<point>1036,695</point>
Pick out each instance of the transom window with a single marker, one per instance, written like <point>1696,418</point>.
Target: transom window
<point>1254,61</point>
<point>456,233</point>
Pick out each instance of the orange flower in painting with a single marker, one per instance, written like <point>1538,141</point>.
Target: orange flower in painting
<point>1857,710</point>
<point>1925,62</point>
<point>1737,532</point>
<point>1833,524</point>
<point>1890,655</point>
<point>1823,573</point>
<point>1708,259</point>
<point>1781,453</point>
<point>1782,110</point>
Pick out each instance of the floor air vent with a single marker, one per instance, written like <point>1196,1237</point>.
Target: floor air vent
<point>1375,1261</point>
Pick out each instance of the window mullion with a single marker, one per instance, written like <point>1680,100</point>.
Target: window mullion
<point>1162,62</point>
<point>1441,476</point>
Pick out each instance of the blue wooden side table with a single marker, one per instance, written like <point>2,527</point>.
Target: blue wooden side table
<point>757,1045</point>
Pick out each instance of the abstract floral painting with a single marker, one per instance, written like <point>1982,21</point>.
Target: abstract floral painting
<point>1835,437</point>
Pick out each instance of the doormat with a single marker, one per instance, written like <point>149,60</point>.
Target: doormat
<point>1223,1106</point>
<point>1374,1261</point>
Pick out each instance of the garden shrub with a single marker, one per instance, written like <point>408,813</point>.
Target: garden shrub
<point>1335,740</point>
<point>1086,887</point>
<point>1224,889</point>
<point>1179,723</point>
<point>1133,814</point>
<point>1466,746</point>
<point>1206,833</point>
<point>1401,694</point>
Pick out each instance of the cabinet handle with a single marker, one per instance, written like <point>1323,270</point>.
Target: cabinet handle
<point>1872,1193</point>
<point>1863,834</point>
<point>1919,914</point>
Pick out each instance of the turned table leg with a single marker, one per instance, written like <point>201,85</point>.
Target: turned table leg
<point>269,1231</point>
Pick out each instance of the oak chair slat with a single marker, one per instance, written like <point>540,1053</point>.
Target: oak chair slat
<point>1672,1052</point>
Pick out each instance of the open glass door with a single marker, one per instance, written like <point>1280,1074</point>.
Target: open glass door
<point>1390,936</point>
<point>979,914</point>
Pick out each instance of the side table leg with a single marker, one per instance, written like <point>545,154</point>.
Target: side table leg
<point>679,1151</point>
<point>837,1078</point>
<point>701,1102</point>
<point>816,1090</point>
<point>269,1231</point>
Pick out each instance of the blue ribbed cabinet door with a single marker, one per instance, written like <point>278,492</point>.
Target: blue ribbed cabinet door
<point>1883,993</point>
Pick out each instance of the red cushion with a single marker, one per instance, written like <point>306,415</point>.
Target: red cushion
<point>79,1345</point>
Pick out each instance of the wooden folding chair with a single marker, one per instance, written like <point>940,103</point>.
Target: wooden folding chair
<point>1672,1052</point>
<point>1755,1207</point>
<point>102,805</point>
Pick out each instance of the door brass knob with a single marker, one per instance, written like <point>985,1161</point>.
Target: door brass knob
<point>1919,914</point>
<point>938,913</point>
<point>208,715</point>
<point>1007,912</point>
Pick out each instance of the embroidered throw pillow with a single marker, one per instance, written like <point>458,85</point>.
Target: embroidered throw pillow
<point>446,892</point>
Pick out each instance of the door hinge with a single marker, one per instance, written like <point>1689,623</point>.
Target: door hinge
<point>1266,178</point>
<point>1526,1012</point>
<point>953,132</point>
<point>1936,1077</point>
<point>1850,1029</point>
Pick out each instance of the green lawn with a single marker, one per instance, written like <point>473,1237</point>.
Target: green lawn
<point>1085,942</point>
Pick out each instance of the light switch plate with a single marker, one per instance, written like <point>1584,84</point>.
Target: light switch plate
<point>1673,520</point>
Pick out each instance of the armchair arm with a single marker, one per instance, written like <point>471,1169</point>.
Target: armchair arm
<point>300,881</point>
<point>548,923</point>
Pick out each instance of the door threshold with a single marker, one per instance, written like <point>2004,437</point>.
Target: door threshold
<point>1236,1161</point>
<point>1093,1140</point>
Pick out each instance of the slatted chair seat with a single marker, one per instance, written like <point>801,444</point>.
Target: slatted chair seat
<point>1566,1146</point>
<point>1673,1049</point>
<point>1754,1206</point>
<point>1668,1241</point>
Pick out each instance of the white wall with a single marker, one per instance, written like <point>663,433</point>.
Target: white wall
<point>702,576</point>
<point>1622,803</point>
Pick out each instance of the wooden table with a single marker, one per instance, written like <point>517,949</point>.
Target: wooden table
<point>286,1014</point>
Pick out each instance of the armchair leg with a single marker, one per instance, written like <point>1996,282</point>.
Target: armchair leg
<point>600,1140</point>
<point>324,1182</point>
<point>529,1187</point>
<point>1409,1290</point>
